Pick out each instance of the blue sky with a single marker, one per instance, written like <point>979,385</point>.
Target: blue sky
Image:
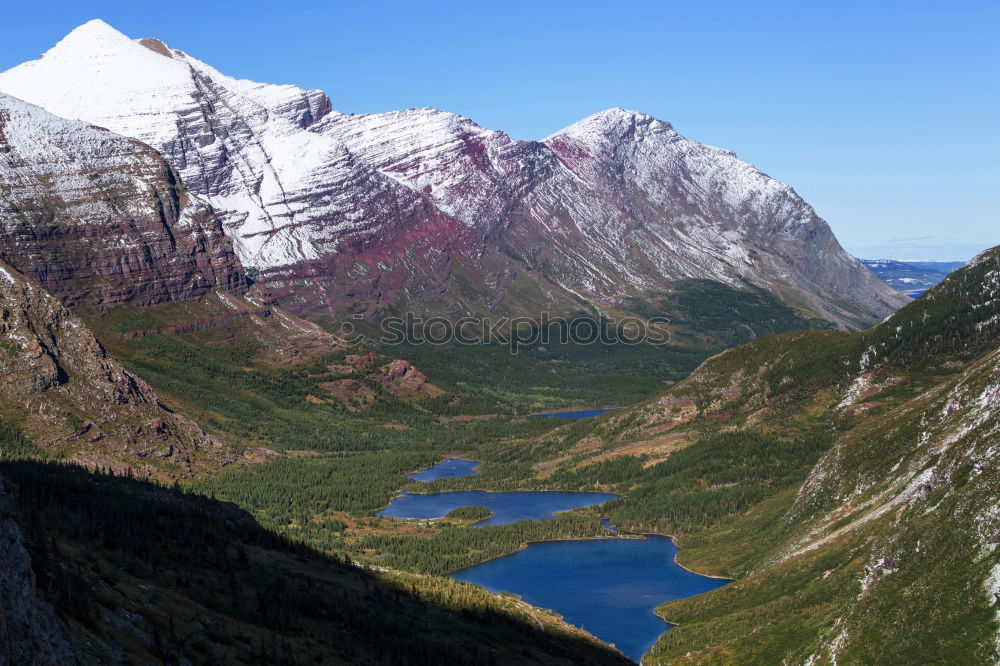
<point>883,115</point>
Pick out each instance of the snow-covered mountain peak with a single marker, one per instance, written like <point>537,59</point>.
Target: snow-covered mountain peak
<point>95,46</point>
<point>618,115</point>
<point>137,87</point>
<point>237,142</point>
<point>99,75</point>
<point>92,34</point>
<point>613,124</point>
<point>657,155</point>
<point>615,205</point>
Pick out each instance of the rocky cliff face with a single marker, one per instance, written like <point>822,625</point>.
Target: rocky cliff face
<point>423,206</point>
<point>29,630</point>
<point>75,401</point>
<point>101,219</point>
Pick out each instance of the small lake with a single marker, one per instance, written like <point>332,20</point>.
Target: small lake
<point>449,468</point>
<point>607,586</point>
<point>581,414</point>
<point>507,507</point>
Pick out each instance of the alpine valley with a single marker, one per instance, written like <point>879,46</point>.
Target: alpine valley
<point>195,459</point>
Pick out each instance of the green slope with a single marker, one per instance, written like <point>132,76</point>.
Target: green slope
<point>849,482</point>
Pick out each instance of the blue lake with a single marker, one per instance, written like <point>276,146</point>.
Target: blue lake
<point>581,414</point>
<point>449,468</point>
<point>607,586</point>
<point>507,507</point>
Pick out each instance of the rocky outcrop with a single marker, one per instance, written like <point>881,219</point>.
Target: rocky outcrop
<point>100,219</point>
<point>29,630</point>
<point>401,376</point>
<point>77,402</point>
<point>425,209</point>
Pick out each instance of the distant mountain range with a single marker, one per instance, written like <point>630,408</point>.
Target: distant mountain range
<point>911,277</point>
<point>423,209</point>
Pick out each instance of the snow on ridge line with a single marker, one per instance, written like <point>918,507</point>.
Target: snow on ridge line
<point>291,176</point>
<point>99,75</point>
<point>130,60</point>
<point>97,36</point>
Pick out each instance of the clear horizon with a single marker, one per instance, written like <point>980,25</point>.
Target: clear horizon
<point>883,118</point>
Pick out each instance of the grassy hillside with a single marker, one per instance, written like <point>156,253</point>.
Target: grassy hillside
<point>326,442</point>
<point>803,464</point>
<point>895,527</point>
<point>849,482</point>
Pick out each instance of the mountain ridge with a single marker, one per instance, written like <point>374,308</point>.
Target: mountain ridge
<point>78,403</point>
<point>423,207</point>
<point>102,219</point>
<point>912,277</point>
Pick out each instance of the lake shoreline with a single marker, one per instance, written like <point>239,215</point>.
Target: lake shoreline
<point>576,409</point>
<point>598,576</point>
<point>575,414</point>
<point>618,533</point>
<point>526,544</point>
<point>692,570</point>
<point>673,539</point>
<point>627,536</point>
<point>403,492</point>
<point>445,458</point>
<point>655,573</point>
